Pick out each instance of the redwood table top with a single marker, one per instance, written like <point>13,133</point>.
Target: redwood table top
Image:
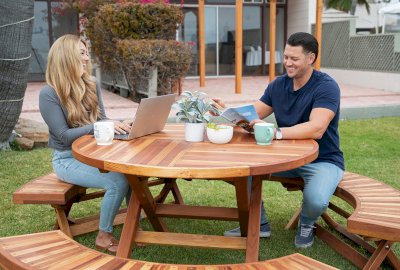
<point>167,154</point>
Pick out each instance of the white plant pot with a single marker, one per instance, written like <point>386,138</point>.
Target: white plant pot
<point>220,135</point>
<point>194,132</point>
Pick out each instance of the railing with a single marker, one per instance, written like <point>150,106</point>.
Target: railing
<point>343,49</point>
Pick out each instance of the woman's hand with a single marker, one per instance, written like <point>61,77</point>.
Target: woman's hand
<point>121,127</point>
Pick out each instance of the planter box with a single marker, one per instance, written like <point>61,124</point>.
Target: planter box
<point>147,88</point>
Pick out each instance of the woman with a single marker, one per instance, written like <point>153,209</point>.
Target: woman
<point>70,104</point>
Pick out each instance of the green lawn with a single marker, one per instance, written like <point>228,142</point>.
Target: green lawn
<point>371,148</point>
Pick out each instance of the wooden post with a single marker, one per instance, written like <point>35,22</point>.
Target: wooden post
<point>202,49</point>
<point>318,33</point>
<point>238,46</point>
<point>272,38</point>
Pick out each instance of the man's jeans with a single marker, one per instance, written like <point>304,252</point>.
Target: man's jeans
<point>320,182</point>
<point>70,170</point>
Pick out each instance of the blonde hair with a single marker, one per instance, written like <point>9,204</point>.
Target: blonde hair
<point>77,92</point>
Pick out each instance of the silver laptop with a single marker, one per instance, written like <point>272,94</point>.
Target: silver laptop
<point>150,117</point>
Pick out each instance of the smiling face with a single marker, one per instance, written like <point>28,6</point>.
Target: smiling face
<point>297,62</point>
<point>84,55</point>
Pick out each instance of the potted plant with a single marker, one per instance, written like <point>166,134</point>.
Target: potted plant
<point>193,109</point>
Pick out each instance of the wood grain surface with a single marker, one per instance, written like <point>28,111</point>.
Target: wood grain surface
<point>54,250</point>
<point>167,154</point>
<point>377,204</point>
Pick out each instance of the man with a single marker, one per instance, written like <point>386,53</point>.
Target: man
<point>306,105</point>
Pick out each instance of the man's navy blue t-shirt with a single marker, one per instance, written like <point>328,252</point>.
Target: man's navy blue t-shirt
<point>294,107</point>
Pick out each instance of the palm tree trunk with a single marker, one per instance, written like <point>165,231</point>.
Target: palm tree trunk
<point>16,24</point>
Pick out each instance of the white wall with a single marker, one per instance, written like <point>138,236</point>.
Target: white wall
<point>298,16</point>
<point>369,79</point>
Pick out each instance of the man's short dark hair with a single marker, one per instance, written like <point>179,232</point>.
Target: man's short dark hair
<point>307,41</point>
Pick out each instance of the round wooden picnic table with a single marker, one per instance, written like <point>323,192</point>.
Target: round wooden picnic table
<point>167,155</point>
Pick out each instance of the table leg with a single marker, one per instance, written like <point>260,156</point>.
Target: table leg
<point>129,228</point>
<point>169,186</point>
<point>253,233</point>
<point>140,188</point>
<point>242,198</point>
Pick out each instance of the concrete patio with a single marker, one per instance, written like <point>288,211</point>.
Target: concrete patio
<point>356,102</point>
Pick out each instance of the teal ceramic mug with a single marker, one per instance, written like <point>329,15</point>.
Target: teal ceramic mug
<point>264,133</point>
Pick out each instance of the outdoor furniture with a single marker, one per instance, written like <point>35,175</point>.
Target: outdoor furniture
<point>48,189</point>
<point>167,155</point>
<point>254,57</point>
<point>55,250</point>
<point>376,217</point>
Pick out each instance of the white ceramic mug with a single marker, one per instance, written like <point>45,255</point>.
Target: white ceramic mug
<point>104,132</point>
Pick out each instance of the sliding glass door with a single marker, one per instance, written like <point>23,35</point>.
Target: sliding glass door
<point>220,30</point>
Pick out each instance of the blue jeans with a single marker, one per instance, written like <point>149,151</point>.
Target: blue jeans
<point>320,182</point>
<point>70,170</point>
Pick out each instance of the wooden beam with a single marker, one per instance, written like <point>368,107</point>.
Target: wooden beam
<point>272,39</point>
<point>238,46</point>
<point>190,240</point>
<point>197,212</point>
<point>202,50</point>
<point>318,33</point>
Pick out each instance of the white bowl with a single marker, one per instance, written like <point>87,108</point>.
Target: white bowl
<point>222,134</point>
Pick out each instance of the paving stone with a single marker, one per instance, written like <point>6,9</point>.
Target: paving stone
<point>25,143</point>
<point>34,131</point>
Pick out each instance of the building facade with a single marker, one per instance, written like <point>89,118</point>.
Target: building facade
<point>48,26</point>
<point>219,33</point>
<point>219,18</point>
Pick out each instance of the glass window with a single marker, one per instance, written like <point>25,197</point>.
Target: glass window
<point>279,39</point>
<point>210,33</point>
<point>188,33</point>
<point>66,23</point>
<point>40,39</point>
<point>231,2</point>
<point>252,40</point>
<point>226,40</point>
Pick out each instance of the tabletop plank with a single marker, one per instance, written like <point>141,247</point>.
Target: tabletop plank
<point>167,154</point>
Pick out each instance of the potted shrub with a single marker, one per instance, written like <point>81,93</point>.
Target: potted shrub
<point>193,109</point>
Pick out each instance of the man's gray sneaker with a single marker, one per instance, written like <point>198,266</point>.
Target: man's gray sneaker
<point>265,231</point>
<point>304,236</point>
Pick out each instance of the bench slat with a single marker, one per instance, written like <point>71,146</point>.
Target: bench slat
<point>46,189</point>
<point>376,216</point>
<point>76,256</point>
<point>179,239</point>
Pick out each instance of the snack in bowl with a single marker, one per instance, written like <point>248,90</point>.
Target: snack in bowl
<point>219,134</point>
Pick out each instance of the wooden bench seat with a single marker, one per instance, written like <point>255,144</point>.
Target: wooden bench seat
<point>55,250</point>
<point>48,189</point>
<point>376,217</point>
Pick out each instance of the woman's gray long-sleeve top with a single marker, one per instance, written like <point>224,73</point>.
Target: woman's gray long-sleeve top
<point>61,136</point>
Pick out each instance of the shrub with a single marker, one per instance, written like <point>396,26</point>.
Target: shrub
<point>138,57</point>
<point>141,30</point>
<point>115,22</point>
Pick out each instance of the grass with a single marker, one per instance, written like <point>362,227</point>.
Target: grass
<point>371,147</point>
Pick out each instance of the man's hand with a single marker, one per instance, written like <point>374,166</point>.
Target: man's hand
<point>256,121</point>
<point>218,104</point>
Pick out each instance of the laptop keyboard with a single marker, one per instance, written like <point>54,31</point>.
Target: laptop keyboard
<point>121,136</point>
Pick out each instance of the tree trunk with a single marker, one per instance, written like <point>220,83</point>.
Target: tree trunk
<point>16,24</point>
